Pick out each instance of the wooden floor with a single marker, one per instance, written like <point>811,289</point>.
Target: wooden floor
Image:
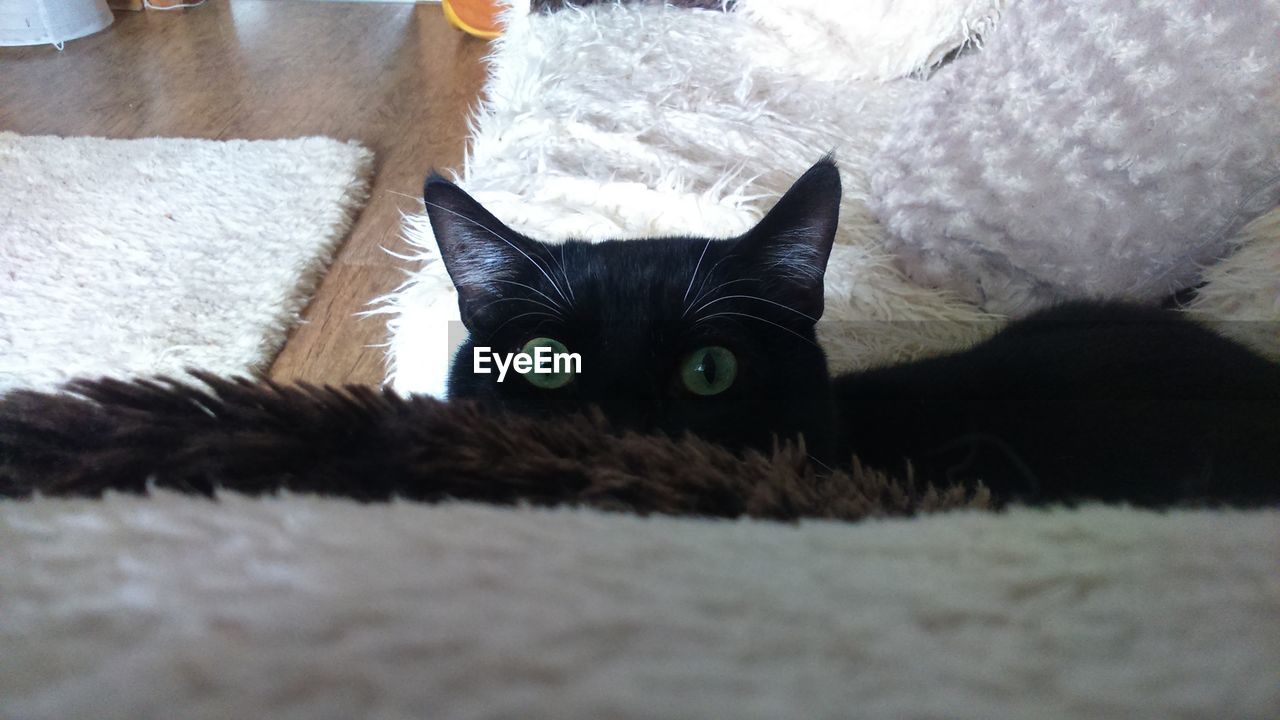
<point>395,77</point>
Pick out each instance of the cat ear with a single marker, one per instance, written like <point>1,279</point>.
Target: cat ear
<point>789,248</point>
<point>479,252</point>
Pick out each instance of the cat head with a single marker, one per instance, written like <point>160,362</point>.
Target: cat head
<point>682,334</point>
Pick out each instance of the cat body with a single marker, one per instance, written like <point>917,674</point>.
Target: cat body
<point>1087,400</point>
<point>715,337</point>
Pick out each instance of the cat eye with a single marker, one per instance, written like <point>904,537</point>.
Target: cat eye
<point>561,373</point>
<point>709,370</point>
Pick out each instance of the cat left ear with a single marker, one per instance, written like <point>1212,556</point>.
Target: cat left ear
<point>482,255</point>
<point>789,248</point>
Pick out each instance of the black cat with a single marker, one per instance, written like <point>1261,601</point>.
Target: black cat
<point>716,337</point>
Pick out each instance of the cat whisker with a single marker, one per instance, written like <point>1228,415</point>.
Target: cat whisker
<point>555,303</point>
<point>553,263</point>
<point>705,278</point>
<point>755,317</point>
<point>712,291</point>
<point>694,276</point>
<point>517,317</point>
<point>510,244</point>
<point>564,270</point>
<point>819,463</point>
<point>754,297</point>
<point>539,303</point>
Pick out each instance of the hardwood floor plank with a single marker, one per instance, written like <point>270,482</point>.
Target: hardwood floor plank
<point>333,345</point>
<point>394,77</point>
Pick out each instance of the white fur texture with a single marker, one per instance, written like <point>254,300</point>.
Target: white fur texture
<point>128,257</point>
<point>865,39</point>
<point>296,607</point>
<point>636,120</point>
<point>1091,149</point>
<point>1241,295</point>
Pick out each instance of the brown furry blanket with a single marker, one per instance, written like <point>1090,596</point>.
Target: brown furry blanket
<point>369,444</point>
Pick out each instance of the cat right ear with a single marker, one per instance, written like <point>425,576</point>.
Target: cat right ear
<point>482,255</point>
<point>790,246</point>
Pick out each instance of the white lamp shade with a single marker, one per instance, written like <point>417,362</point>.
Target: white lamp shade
<point>35,22</point>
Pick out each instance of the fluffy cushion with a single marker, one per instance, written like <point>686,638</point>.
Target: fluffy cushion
<point>841,40</point>
<point>1091,148</point>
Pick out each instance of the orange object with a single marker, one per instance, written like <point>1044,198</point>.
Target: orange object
<point>474,17</point>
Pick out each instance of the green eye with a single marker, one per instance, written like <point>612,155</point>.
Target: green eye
<point>709,370</point>
<point>559,365</point>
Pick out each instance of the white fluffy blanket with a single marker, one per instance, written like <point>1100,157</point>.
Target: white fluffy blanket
<point>1091,149</point>
<point>176,607</point>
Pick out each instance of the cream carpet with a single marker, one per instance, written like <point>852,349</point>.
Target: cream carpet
<point>128,257</point>
<point>176,607</point>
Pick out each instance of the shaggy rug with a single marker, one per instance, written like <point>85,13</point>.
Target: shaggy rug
<point>299,607</point>
<point>126,257</point>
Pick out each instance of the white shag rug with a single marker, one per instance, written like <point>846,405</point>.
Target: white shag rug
<point>138,257</point>
<point>176,607</point>
<point>640,120</point>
